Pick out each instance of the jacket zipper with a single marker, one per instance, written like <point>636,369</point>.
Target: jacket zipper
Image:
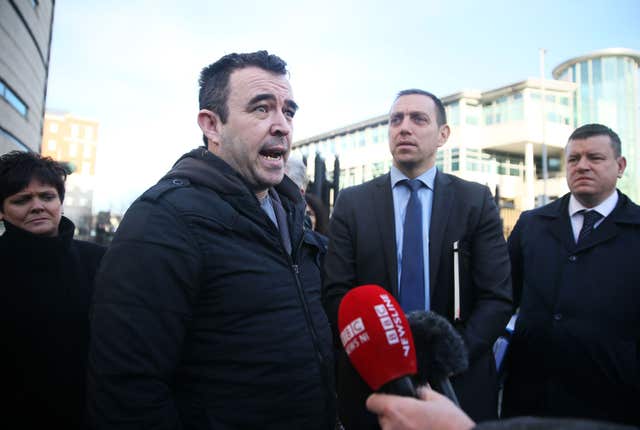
<point>296,274</point>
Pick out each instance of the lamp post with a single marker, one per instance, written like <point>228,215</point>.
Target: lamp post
<point>545,173</point>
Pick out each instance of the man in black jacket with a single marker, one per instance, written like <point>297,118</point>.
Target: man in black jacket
<point>575,348</point>
<point>207,311</point>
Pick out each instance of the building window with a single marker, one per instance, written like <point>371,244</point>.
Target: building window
<point>86,168</point>
<point>53,127</point>
<point>13,139</point>
<point>453,114</point>
<point>73,150</point>
<point>361,139</point>
<point>378,169</point>
<point>51,145</point>
<point>13,99</point>
<point>88,132</point>
<point>75,130</point>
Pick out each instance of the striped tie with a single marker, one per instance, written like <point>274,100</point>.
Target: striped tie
<point>590,218</point>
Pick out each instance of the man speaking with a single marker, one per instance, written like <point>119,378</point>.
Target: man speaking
<point>207,312</point>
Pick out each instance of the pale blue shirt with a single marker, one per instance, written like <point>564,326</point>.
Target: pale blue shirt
<point>401,194</point>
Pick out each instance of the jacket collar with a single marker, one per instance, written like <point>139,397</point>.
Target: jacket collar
<point>22,240</point>
<point>443,198</point>
<point>557,213</point>
<point>203,168</point>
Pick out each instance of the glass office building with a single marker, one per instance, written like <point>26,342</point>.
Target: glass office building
<point>497,136</point>
<point>25,42</point>
<point>607,92</point>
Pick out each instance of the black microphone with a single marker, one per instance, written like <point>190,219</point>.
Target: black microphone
<point>440,351</point>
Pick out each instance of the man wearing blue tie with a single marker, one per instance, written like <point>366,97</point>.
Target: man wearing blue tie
<point>399,231</point>
<point>576,279</point>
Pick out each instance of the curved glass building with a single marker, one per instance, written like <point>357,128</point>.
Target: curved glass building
<point>607,92</point>
<point>25,42</point>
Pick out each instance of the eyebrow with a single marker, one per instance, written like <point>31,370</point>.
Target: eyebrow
<point>411,113</point>
<point>261,97</point>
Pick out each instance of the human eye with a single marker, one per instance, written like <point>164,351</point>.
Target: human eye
<point>48,197</point>
<point>395,119</point>
<point>419,119</point>
<point>21,200</point>
<point>290,113</point>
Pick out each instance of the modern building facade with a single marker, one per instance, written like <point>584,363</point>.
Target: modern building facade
<point>74,140</point>
<point>25,42</point>
<point>608,92</point>
<point>498,136</point>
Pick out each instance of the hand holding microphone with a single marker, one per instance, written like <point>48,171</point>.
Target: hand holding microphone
<point>430,411</point>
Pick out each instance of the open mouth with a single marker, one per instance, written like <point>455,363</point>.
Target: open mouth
<point>272,154</point>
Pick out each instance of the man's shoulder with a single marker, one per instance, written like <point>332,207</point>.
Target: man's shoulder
<point>369,186</point>
<point>549,211</point>
<point>630,209</point>
<point>164,187</point>
<point>459,183</point>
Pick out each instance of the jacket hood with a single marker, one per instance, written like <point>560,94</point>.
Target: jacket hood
<point>202,167</point>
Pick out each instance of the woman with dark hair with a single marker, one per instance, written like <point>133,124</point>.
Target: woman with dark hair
<point>47,284</point>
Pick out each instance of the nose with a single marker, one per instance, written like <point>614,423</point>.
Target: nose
<point>38,205</point>
<point>583,164</point>
<point>282,125</point>
<point>404,126</point>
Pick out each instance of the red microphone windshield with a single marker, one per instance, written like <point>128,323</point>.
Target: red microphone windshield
<point>376,335</point>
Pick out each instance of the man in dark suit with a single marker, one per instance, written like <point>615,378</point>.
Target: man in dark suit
<point>368,236</point>
<point>576,277</point>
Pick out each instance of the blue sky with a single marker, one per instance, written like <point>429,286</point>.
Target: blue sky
<point>133,65</point>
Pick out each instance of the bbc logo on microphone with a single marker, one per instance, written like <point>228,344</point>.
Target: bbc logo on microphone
<point>351,330</point>
<point>387,324</point>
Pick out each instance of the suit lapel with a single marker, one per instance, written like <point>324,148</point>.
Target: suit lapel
<point>609,227</point>
<point>443,197</point>
<point>383,208</point>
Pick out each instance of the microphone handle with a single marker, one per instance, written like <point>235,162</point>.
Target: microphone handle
<point>444,387</point>
<point>400,387</point>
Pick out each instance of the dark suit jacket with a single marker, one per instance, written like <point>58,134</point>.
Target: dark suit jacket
<point>576,346</point>
<point>362,250</point>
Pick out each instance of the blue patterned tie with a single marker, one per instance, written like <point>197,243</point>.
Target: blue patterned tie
<point>590,218</point>
<point>412,275</point>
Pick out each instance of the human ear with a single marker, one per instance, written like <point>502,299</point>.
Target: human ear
<point>210,125</point>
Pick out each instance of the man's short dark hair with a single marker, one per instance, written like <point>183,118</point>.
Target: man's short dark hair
<point>18,168</point>
<point>590,130</point>
<point>214,79</point>
<point>441,117</point>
